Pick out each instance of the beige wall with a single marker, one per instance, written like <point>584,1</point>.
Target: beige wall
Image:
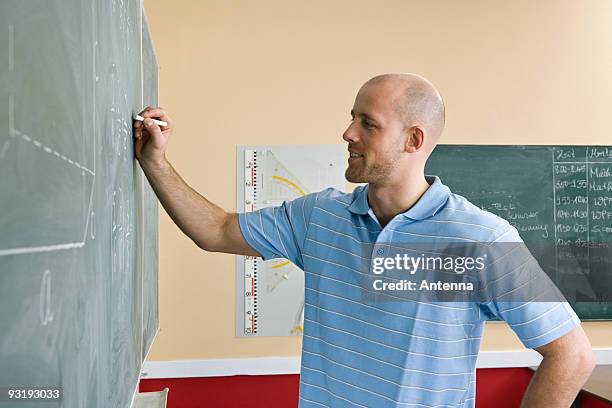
<point>265,72</point>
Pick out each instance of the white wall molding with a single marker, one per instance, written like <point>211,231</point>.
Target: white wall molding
<point>508,358</point>
<point>528,358</point>
<point>291,365</point>
<point>221,367</point>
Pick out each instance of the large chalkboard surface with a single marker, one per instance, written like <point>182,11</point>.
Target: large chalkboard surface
<point>150,209</point>
<point>79,226</point>
<point>560,200</point>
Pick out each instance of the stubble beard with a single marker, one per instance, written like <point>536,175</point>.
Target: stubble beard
<point>373,173</point>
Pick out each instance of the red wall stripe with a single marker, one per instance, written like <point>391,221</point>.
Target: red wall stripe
<point>496,387</point>
<point>252,391</point>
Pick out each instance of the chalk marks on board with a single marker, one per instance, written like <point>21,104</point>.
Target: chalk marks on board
<point>73,305</point>
<point>92,221</point>
<point>79,320</point>
<point>43,150</point>
<point>120,128</point>
<point>11,50</point>
<point>581,217</point>
<point>46,315</point>
<point>121,230</point>
<point>7,142</point>
<point>121,12</point>
<point>54,152</point>
<point>4,148</point>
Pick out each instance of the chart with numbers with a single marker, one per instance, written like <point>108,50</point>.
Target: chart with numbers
<point>270,294</point>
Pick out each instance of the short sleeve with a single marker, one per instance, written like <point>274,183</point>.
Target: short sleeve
<point>280,231</point>
<point>523,295</point>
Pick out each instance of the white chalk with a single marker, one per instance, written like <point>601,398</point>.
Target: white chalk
<point>158,122</point>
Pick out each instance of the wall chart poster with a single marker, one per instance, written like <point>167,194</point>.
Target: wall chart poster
<point>270,294</point>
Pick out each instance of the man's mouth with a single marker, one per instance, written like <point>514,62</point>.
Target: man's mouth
<point>354,155</point>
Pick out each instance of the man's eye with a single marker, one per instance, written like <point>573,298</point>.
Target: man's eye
<point>367,124</point>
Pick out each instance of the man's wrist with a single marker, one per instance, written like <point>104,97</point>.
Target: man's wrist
<point>154,165</point>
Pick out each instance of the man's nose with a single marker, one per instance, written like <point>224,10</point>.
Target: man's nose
<point>350,135</point>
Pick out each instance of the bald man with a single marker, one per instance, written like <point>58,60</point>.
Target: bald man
<point>379,354</point>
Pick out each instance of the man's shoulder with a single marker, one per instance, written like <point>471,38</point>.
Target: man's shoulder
<point>327,197</point>
<point>460,211</point>
<point>334,196</point>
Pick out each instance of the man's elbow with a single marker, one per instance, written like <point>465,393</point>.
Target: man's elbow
<point>214,237</point>
<point>573,352</point>
<point>208,244</point>
<point>582,362</point>
<point>202,245</point>
<point>204,242</point>
<point>587,361</point>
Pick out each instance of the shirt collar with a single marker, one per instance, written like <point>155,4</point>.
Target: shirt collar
<point>428,205</point>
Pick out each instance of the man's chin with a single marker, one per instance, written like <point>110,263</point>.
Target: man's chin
<point>354,178</point>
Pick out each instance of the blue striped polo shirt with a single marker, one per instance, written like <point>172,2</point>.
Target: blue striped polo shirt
<point>389,354</point>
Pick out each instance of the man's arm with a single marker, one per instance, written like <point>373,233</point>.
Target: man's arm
<point>567,364</point>
<point>208,225</point>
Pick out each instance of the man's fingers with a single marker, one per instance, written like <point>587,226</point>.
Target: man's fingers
<point>152,128</point>
<point>137,130</point>
<point>157,113</point>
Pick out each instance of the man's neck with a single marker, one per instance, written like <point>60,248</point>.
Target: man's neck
<point>389,200</point>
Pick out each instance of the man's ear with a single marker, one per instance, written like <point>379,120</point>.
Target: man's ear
<point>415,140</point>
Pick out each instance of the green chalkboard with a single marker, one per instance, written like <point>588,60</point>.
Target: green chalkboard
<point>79,224</point>
<point>560,200</point>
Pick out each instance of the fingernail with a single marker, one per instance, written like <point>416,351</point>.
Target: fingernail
<point>148,122</point>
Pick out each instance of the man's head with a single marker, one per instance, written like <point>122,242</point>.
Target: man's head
<point>397,120</point>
